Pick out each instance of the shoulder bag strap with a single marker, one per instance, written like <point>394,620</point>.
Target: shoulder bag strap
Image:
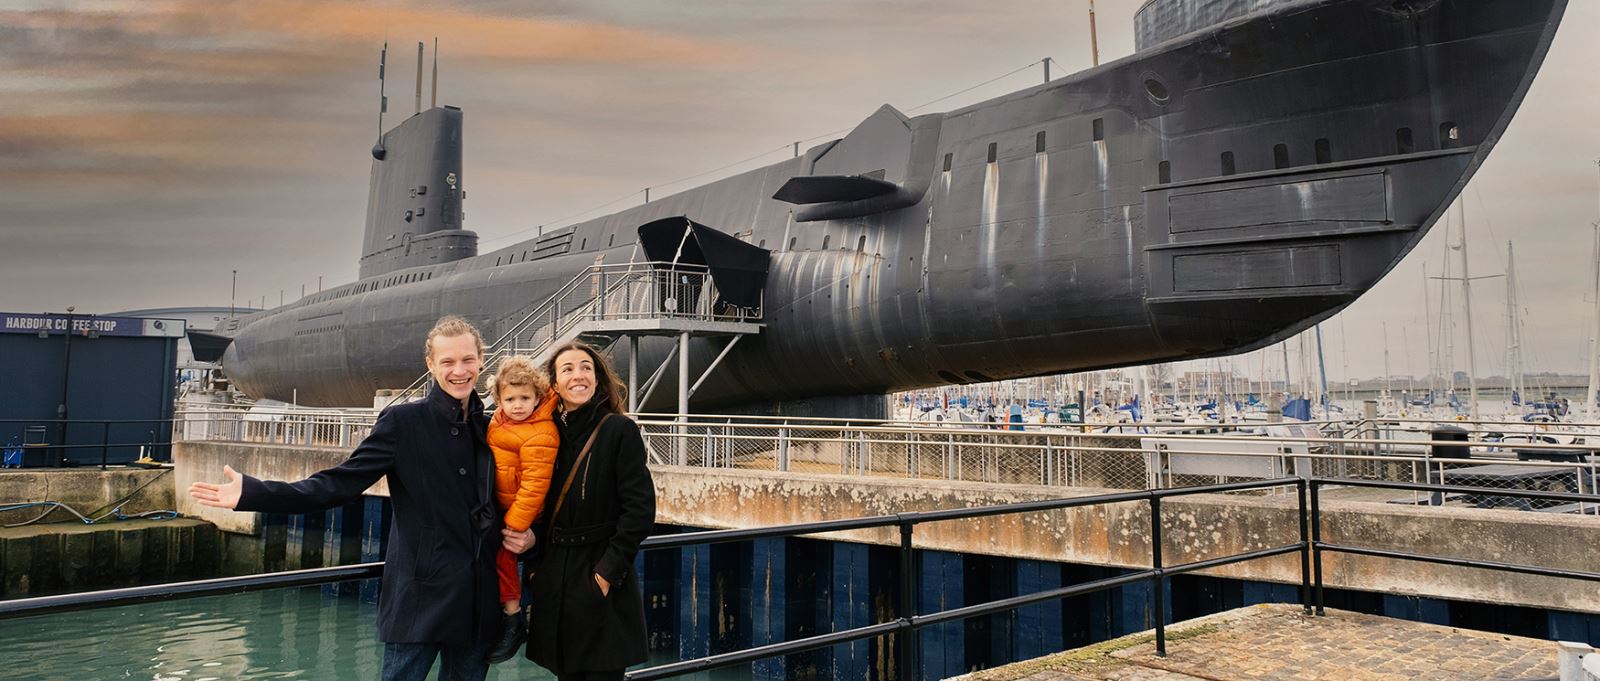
<point>577,466</point>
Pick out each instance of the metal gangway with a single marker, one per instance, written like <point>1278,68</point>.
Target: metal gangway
<point>605,304</point>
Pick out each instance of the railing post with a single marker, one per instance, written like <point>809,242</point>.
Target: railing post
<point>783,449</point>
<point>1305,549</point>
<point>1049,462</point>
<point>1158,589</point>
<point>1316,549</point>
<point>105,443</point>
<point>907,653</point>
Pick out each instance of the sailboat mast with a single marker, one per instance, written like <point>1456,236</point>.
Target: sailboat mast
<point>1594,339</point>
<point>1386,358</point>
<point>1427,328</point>
<point>1322,371</point>
<point>1513,325</point>
<point>1466,304</point>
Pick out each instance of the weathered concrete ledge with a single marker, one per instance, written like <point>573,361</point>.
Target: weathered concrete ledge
<point>1195,528</point>
<point>85,490</point>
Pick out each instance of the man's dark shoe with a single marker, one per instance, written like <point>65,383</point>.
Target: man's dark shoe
<point>512,634</point>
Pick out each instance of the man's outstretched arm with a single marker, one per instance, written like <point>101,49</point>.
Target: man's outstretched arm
<point>371,460</point>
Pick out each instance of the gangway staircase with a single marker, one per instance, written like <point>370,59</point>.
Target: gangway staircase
<point>605,304</point>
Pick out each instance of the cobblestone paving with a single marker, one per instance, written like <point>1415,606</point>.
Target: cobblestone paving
<point>1277,642</point>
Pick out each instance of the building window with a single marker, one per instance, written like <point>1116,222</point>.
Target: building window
<point>1038,143</point>
<point>1164,172</point>
<point>792,241</point>
<point>1403,142</point>
<point>993,149</point>
<point>1099,129</point>
<point>1280,156</point>
<point>947,163</point>
<point>1227,163</point>
<point>825,239</point>
<point>1324,151</point>
<point>861,244</point>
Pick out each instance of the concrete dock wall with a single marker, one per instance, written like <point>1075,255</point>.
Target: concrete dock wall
<point>40,560</point>
<point>203,461</point>
<point>1195,528</point>
<point>85,489</point>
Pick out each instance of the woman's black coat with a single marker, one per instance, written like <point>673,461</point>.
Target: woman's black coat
<point>610,508</point>
<point>438,575</point>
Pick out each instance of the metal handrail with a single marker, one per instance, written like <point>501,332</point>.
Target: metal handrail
<point>550,322</point>
<point>904,626</point>
<point>1317,546</point>
<point>550,302</point>
<point>1310,547</point>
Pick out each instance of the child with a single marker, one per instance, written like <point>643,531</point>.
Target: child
<point>524,439</point>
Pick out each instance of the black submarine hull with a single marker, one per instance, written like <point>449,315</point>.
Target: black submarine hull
<point>1210,194</point>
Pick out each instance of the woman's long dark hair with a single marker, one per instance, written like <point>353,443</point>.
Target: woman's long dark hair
<point>609,390</point>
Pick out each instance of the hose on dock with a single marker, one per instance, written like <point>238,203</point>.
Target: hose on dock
<point>114,513</point>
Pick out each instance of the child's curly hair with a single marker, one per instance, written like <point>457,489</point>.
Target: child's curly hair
<point>518,371</point>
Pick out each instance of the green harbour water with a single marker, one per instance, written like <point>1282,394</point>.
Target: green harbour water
<point>301,633</point>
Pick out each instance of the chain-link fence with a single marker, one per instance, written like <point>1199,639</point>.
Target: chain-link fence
<point>1058,456</point>
<point>1123,460</point>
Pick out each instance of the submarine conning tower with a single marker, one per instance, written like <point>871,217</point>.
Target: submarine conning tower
<point>1158,21</point>
<point>414,203</point>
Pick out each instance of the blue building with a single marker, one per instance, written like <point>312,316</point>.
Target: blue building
<point>81,389</point>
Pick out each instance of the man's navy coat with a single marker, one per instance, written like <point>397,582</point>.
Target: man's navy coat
<point>438,577</point>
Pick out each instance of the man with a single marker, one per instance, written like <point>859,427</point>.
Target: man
<point>439,589</point>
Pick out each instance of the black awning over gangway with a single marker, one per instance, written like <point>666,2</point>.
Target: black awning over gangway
<point>738,268</point>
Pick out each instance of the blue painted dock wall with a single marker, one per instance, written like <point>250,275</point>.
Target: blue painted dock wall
<point>706,600</point>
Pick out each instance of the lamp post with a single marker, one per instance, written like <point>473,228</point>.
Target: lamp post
<point>66,381</point>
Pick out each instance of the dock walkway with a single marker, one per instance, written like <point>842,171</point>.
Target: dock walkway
<point>1281,642</point>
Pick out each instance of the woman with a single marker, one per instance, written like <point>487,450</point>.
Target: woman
<point>587,614</point>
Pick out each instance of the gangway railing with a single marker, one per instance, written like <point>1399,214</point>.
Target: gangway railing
<point>612,295</point>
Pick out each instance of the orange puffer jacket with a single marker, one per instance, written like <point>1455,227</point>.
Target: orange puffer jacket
<point>524,458</point>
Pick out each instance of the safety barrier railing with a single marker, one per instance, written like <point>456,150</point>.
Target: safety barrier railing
<point>1318,547</point>
<point>273,426</point>
<point>905,622</point>
<point>1062,458</point>
<point>1118,460</point>
<point>54,439</point>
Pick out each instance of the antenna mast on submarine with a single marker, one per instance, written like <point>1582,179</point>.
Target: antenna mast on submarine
<point>419,77</point>
<point>1094,39</point>
<point>434,102</point>
<point>378,152</point>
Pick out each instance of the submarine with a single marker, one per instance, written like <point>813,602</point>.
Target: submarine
<point>1250,169</point>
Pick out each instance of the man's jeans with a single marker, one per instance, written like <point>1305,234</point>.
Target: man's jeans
<point>413,661</point>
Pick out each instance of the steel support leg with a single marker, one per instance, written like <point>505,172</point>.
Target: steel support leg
<point>633,374</point>
<point>683,398</point>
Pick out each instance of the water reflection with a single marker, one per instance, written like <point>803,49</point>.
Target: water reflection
<point>305,633</point>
